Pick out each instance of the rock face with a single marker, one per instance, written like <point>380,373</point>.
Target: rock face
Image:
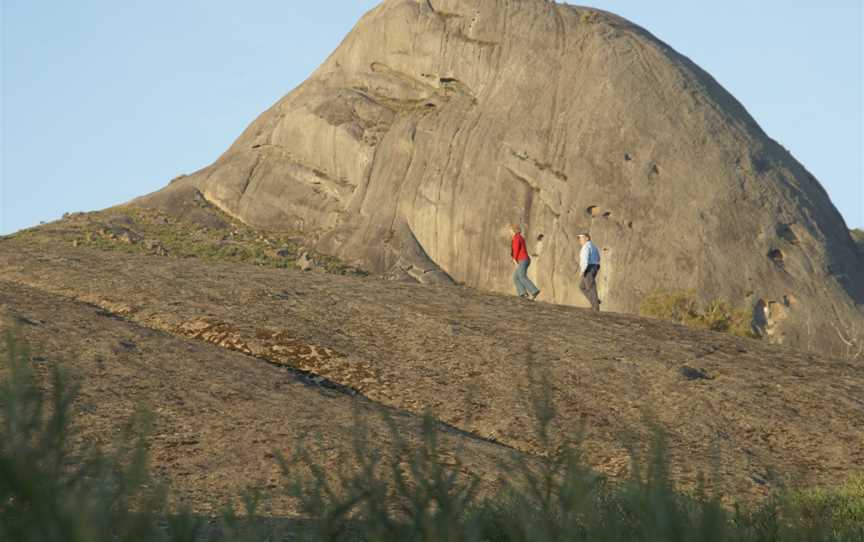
<point>438,122</point>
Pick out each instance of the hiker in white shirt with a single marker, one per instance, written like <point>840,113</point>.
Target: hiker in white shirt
<point>589,266</point>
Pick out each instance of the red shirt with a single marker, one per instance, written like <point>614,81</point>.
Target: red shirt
<point>518,250</point>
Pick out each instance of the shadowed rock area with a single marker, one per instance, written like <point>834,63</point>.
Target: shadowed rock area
<point>199,339</point>
<point>437,122</point>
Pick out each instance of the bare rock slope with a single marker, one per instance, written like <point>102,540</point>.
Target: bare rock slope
<point>198,340</point>
<point>437,122</point>
<point>219,416</point>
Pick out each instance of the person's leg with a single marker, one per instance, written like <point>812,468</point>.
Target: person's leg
<point>517,280</point>
<point>527,284</point>
<point>591,286</point>
<point>583,286</point>
<point>596,294</point>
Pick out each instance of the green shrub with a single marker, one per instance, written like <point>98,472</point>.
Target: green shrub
<point>48,491</point>
<point>676,306</point>
<point>684,308</point>
<point>51,491</point>
<point>841,510</point>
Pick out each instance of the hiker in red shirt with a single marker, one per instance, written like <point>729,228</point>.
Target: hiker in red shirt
<point>519,253</point>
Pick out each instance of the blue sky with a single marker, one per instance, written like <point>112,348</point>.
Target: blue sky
<point>105,100</point>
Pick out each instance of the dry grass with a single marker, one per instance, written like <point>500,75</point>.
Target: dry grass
<point>137,230</point>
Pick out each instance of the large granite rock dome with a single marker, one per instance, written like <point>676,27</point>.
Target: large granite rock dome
<point>438,122</point>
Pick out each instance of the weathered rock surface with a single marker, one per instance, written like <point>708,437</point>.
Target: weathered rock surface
<point>437,122</point>
<point>467,357</point>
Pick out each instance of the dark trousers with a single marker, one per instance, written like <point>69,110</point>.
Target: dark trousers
<point>588,285</point>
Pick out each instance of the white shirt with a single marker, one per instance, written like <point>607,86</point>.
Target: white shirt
<point>588,255</point>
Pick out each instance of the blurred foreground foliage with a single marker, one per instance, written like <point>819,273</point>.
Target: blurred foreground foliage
<point>51,490</point>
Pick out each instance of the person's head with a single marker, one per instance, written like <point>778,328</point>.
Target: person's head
<point>583,238</point>
<point>515,228</point>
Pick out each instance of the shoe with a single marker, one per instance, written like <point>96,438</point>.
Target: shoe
<point>534,296</point>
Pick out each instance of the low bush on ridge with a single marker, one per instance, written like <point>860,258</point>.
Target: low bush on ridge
<point>50,491</point>
<point>684,308</point>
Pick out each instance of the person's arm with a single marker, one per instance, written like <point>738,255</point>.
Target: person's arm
<point>583,259</point>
